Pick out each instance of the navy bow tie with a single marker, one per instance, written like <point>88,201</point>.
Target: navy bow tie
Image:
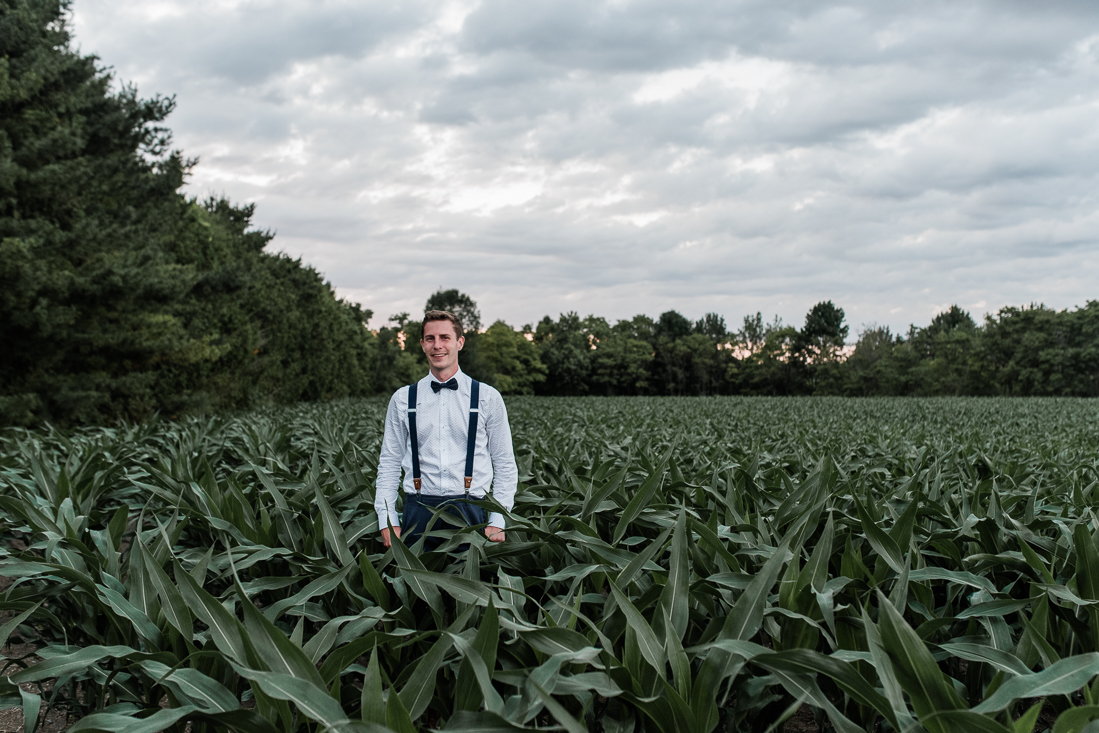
<point>451,384</point>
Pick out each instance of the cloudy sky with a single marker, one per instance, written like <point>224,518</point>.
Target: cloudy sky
<point>627,157</point>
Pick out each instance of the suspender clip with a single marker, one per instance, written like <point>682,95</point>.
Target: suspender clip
<point>416,483</point>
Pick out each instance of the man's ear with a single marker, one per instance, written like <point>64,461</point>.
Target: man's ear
<point>461,342</point>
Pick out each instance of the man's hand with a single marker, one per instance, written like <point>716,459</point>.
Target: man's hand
<point>386,539</point>
<point>494,534</point>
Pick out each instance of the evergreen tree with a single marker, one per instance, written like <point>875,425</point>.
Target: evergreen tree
<point>88,214</point>
<point>119,297</point>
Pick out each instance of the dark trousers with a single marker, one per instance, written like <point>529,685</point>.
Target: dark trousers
<point>419,509</point>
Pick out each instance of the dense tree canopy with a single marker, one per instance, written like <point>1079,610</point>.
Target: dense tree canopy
<point>1017,351</point>
<point>119,296</point>
<point>458,303</point>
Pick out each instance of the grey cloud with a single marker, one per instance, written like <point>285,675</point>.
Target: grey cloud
<point>906,156</point>
<point>246,44</point>
<point>653,35</point>
<point>580,34</point>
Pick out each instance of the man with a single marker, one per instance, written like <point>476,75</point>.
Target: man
<point>442,466</point>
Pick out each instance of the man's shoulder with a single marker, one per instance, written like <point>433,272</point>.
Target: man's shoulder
<point>488,393</point>
<point>485,386</point>
<point>400,396</point>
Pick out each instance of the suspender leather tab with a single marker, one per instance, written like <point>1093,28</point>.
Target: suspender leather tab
<point>414,436</point>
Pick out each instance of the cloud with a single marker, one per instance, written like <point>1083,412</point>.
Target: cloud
<point>238,43</point>
<point>635,156</point>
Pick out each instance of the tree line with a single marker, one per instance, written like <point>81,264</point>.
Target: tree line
<point>1027,351</point>
<point>121,298</point>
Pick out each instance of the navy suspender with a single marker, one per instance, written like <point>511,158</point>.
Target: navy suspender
<point>471,437</point>
<point>414,436</point>
<point>471,434</point>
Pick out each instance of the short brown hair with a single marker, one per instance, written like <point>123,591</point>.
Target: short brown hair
<point>443,316</point>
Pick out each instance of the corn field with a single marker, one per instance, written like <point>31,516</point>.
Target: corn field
<point>672,564</point>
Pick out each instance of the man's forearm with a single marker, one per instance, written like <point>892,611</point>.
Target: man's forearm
<point>389,467</point>
<point>505,471</point>
<point>385,504</point>
<point>504,485</point>
<point>385,492</point>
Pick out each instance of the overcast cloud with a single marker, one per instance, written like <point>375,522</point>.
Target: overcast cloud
<point>636,156</point>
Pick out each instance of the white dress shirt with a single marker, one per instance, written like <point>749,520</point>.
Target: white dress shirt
<point>442,422</point>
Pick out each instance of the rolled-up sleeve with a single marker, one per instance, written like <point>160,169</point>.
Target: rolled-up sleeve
<point>505,472</point>
<point>394,444</point>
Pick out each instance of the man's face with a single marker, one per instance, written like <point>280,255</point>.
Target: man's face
<point>441,344</point>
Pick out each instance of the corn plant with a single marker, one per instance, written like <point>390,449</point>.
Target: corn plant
<point>672,564</point>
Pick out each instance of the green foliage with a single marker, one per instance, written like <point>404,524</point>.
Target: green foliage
<point>754,332</point>
<point>690,365</point>
<point>621,365</point>
<point>566,347</point>
<point>870,368</point>
<point>87,216</point>
<point>640,327</point>
<point>670,565</point>
<point>394,363</point>
<point>510,360</point>
<point>1029,351</point>
<point>712,325</point>
<point>120,298</point>
<point>824,328</point>
<point>273,329</point>
<point>944,358</point>
<point>458,303</point>
<point>775,368</point>
<point>671,326</point>
<point>1039,351</point>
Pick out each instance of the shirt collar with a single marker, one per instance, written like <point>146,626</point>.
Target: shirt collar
<point>463,380</point>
